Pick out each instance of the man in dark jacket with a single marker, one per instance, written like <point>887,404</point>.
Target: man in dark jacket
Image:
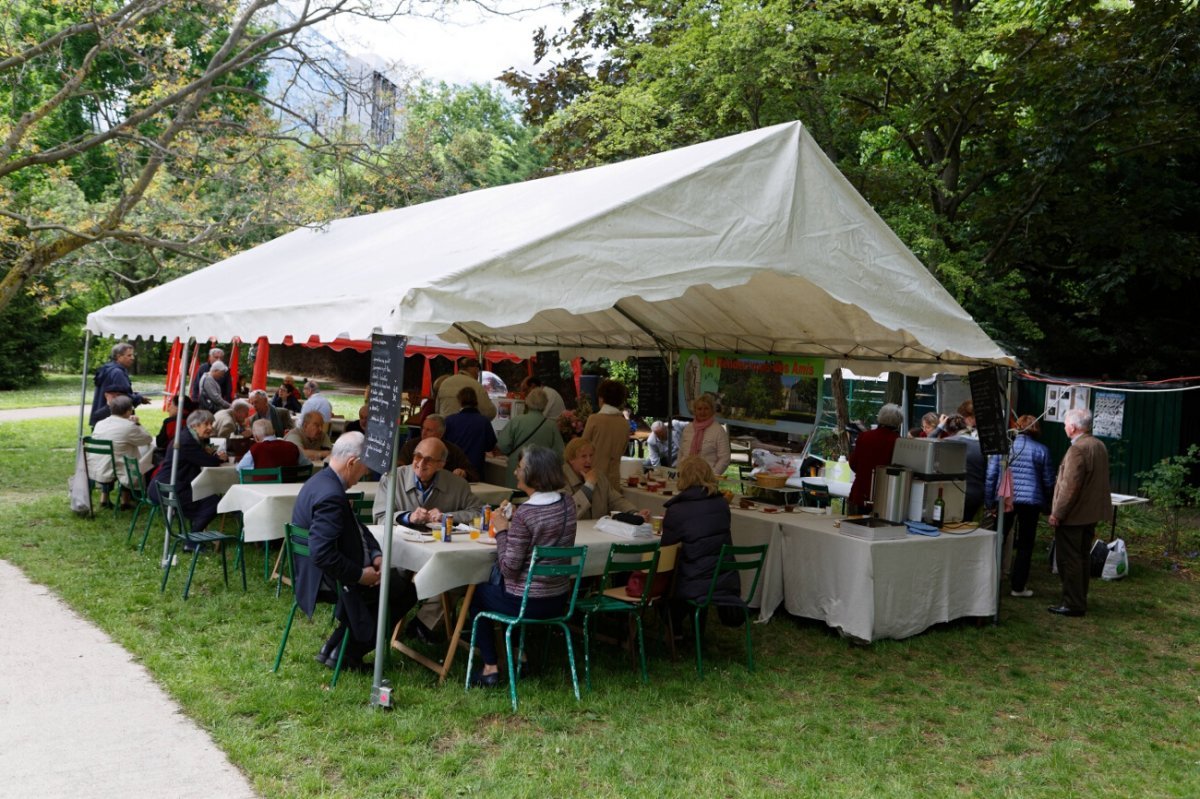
<point>194,455</point>
<point>345,554</point>
<point>112,380</point>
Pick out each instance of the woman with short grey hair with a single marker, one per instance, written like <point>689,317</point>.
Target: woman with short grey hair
<point>873,448</point>
<point>531,428</point>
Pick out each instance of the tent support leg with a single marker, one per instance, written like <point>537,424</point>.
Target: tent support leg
<point>87,351</point>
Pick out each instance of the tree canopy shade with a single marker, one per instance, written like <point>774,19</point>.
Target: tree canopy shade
<point>1042,158</point>
<point>112,109</point>
<point>751,243</point>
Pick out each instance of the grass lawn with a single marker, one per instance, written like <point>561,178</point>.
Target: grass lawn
<point>1039,706</point>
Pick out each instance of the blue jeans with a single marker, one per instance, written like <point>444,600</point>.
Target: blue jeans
<point>495,598</point>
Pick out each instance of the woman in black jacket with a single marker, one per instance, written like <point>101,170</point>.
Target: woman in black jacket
<point>698,518</point>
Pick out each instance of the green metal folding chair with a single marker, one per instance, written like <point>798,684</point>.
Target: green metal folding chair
<point>546,562</point>
<point>180,530</point>
<point>137,488</point>
<point>622,559</point>
<point>753,558</point>
<point>271,475</point>
<point>102,446</point>
<point>363,509</point>
<point>296,543</point>
<point>296,474</point>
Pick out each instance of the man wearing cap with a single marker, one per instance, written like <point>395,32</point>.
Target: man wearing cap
<point>467,377</point>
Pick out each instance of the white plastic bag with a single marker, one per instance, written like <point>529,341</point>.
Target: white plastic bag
<point>78,490</point>
<point>634,532</point>
<point>1116,565</point>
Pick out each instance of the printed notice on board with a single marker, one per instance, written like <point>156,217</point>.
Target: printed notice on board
<point>1108,417</point>
<point>1060,399</point>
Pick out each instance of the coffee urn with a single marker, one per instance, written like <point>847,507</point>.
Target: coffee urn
<point>893,484</point>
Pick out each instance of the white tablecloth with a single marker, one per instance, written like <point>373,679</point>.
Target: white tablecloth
<point>879,589</point>
<point>214,480</point>
<point>442,567</point>
<point>267,507</point>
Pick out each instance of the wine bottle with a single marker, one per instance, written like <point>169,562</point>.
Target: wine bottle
<point>939,510</point>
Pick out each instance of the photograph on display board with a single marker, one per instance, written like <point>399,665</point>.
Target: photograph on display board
<point>759,390</point>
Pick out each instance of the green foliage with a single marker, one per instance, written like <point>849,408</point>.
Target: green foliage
<point>1174,496</point>
<point>627,373</point>
<point>1040,158</point>
<point>28,340</point>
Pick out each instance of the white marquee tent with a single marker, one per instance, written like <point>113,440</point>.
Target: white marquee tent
<point>752,243</point>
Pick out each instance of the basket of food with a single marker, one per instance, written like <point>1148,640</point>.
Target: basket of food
<point>770,480</point>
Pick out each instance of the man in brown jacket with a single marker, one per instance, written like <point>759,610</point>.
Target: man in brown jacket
<point>1081,499</point>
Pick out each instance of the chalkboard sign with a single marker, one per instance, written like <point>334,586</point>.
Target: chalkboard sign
<point>989,411</point>
<point>653,384</point>
<point>387,383</point>
<point>546,368</point>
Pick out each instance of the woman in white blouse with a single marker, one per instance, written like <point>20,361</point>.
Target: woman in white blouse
<point>705,436</point>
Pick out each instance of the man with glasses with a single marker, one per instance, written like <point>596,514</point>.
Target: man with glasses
<point>457,461</point>
<point>425,492</point>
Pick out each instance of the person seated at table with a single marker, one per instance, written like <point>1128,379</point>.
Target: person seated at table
<point>232,420</point>
<point>128,438</point>
<point>359,425</point>
<point>532,427</point>
<point>457,461</point>
<point>270,451</point>
<point>166,431</point>
<point>287,396</point>
<point>873,448</point>
<point>425,494</point>
<point>311,437</point>
<point>316,401</point>
<point>698,518</point>
<point>608,430</point>
<point>706,437</point>
<point>280,419</point>
<point>344,551</point>
<point>594,496</point>
<point>555,405</point>
<point>425,491</point>
<point>957,429</point>
<point>471,430</point>
<point>661,447</point>
<point>547,518</point>
<point>194,454</point>
<point>224,382</point>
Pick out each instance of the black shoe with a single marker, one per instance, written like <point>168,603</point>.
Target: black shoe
<point>523,670</point>
<point>416,629</point>
<point>481,680</point>
<point>329,653</point>
<point>1063,610</point>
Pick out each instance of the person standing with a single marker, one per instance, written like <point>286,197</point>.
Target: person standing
<point>1033,485</point>
<point>112,380</point>
<point>471,430</point>
<point>608,430</point>
<point>224,382</point>
<point>1081,500</point>
<point>532,427</point>
<point>873,448</point>
<point>706,437</point>
<point>467,377</point>
<point>212,397</point>
<point>343,550</point>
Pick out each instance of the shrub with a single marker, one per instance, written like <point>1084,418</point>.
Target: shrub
<point>1172,495</point>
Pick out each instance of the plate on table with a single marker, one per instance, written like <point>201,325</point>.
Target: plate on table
<point>415,537</point>
<point>483,539</point>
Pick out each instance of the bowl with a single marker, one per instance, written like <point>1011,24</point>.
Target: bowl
<point>770,480</point>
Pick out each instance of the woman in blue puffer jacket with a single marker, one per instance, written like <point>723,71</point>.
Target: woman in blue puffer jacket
<point>1033,488</point>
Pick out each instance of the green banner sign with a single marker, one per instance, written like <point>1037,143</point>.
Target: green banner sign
<point>771,391</point>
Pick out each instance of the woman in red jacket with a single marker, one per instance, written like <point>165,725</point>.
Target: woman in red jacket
<point>873,448</point>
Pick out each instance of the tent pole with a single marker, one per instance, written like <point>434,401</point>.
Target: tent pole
<point>183,383</point>
<point>87,351</point>
<point>1004,465</point>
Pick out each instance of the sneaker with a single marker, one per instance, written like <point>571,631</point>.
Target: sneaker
<point>1026,593</point>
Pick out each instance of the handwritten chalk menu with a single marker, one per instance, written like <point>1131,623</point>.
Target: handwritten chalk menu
<point>546,368</point>
<point>989,411</point>
<point>653,384</point>
<point>387,384</point>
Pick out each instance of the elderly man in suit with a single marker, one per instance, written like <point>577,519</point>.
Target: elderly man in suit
<point>1081,500</point>
<point>343,552</point>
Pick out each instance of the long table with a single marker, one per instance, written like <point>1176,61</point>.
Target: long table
<point>441,568</point>
<point>267,507</point>
<point>867,589</point>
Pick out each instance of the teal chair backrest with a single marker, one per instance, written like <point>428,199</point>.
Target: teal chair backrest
<point>173,510</point>
<point>296,474</point>
<point>555,562</point>
<point>629,558</point>
<point>100,446</point>
<point>273,475</point>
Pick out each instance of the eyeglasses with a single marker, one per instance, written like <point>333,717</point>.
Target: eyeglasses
<point>418,457</point>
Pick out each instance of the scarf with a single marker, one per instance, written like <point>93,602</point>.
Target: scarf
<point>698,439</point>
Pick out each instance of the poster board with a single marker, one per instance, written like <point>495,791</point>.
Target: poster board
<point>768,392</point>
<point>387,385</point>
<point>653,387</point>
<point>1060,399</point>
<point>1108,417</point>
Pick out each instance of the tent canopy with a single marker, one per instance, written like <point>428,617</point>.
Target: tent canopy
<point>751,243</point>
